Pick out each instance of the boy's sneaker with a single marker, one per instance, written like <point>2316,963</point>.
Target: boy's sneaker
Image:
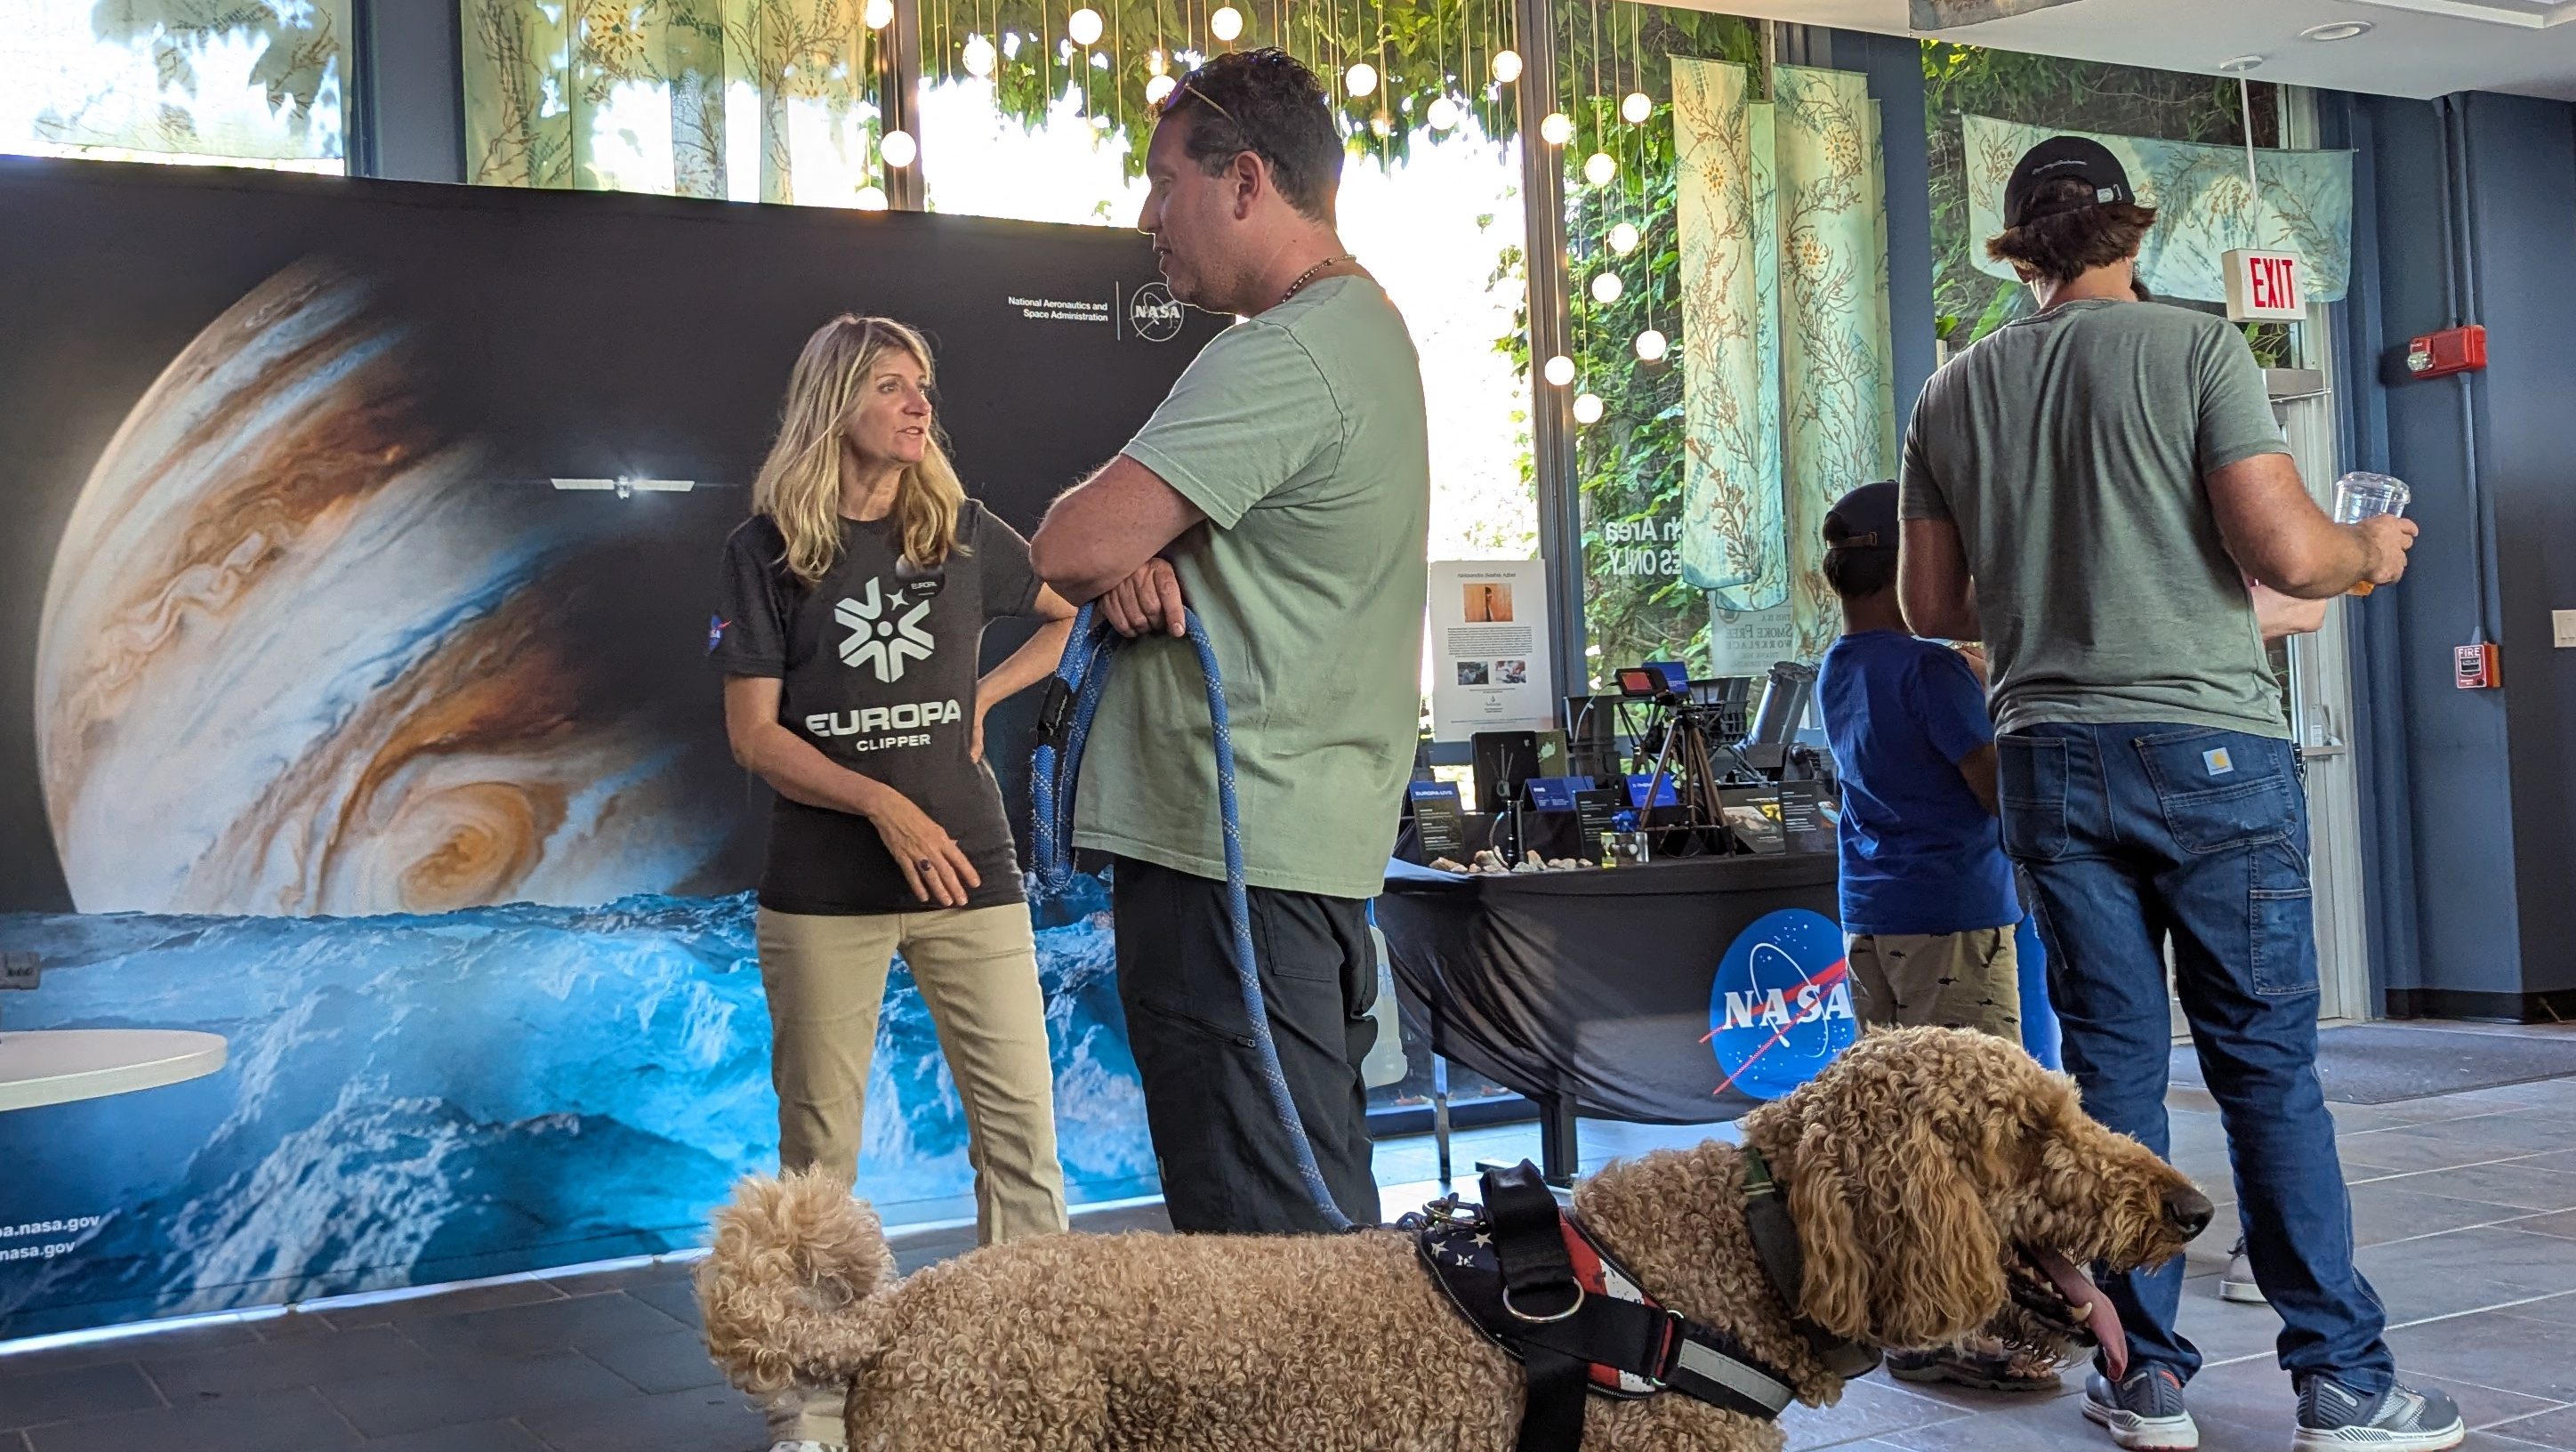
<point>2334,1416</point>
<point>2144,1412</point>
<point>2238,1283</point>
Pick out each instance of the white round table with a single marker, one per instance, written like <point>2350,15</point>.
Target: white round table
<point>55,1066</point>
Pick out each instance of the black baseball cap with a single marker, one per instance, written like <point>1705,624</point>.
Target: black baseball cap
<point>1864,519</point>
<point>2074,158</point>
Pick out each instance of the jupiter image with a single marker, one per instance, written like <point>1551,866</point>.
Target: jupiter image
<point>299,657</point>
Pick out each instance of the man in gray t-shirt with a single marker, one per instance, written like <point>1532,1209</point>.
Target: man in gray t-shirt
<point>2099,494</point>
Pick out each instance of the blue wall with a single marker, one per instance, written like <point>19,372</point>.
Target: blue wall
<point>2473,840</point>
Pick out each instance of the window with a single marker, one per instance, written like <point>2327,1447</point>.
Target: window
<point>256,83</point>
<point>1022,119</point>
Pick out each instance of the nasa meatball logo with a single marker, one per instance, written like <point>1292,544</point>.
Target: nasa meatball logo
<point>1154,313</point>
<point>1781,1007</point>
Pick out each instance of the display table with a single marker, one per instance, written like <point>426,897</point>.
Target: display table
<point>1595,992</point>
<point>54,1066</point>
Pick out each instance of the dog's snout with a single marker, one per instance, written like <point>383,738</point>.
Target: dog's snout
<point>2188,1211</point>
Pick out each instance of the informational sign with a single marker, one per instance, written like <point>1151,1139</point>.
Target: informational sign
<point>1780,1008</point>
<point>1749,643</point>
<point>1489,661</point>
<point>2266,287</point>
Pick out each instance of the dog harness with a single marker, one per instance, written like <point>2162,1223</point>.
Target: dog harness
<point>1534,1281</point>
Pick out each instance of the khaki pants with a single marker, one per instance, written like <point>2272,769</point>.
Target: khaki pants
<point>978,974</point>
<point>1966,980</point>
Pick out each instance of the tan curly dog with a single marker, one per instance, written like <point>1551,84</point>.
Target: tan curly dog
<point>1923,1168</point>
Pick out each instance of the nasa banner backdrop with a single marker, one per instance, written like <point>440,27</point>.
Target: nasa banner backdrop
<point>1679,992</point>
<point>354,706</point>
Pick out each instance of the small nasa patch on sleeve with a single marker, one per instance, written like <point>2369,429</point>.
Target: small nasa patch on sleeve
<point>715,632</point>
<point>2218,762</point>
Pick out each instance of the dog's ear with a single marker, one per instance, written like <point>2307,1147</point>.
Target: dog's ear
<point>1939,1257</point>
<point>1898,1247</point>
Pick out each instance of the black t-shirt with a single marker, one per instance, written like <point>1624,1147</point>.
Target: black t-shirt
<point>878,667</point>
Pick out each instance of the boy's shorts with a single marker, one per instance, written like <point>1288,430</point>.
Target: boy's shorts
<point>1945,980</point>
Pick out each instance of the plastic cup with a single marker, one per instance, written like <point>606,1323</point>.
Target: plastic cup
<point>2360,496</point>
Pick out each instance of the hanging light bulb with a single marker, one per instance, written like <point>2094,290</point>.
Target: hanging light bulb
<point>1156,63</point>
<point>1557,129</point>
<point>1381,127</point>
<point>1587,408</point>
<point>1607,288</point>
<point>1624,238</point>
<point>1226,23</point>
<point>871,199</point>
<point>979,57</point>
<point>1442,113</point>
<point>1083,26</point>
<point>1158,88</point>
<point>1360,79</point>
<point>1598,168</point>
<point>1653,345</point>
<point>1638,108</point>
<point>879,14</point>
<point>1559,370</point>
<point>898,148</point>
<point>1507,66</point>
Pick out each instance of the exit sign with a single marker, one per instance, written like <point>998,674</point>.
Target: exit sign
<point>2266,287</point>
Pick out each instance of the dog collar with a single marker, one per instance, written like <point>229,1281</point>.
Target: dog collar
<point>1775,1245</point>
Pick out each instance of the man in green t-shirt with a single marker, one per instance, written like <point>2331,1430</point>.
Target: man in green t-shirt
<point>1283,492</point>
<point>2094,491</point>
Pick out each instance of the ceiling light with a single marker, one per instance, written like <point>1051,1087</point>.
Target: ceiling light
<point>1653,345</point>
<point>1158,88</point>
<point>1638,108</point>
<point>2239,65</point>
<point>1624,238</point>
<point>898,149</point>
<point>1587,408</point>
<point>2337,30</point>
<point>1607,288</point>
<point>1557,129</point>
<point>1226,23</point>
<point>979,56</point>
<point>1084,26</point>
<point>1442,113</point>
<point>1360,79</point>
<point>1559,370</point>
<point>1507,66</point>
<point>1599,168</point>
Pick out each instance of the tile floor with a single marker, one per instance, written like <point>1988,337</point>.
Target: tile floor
<point>2465,1207</point>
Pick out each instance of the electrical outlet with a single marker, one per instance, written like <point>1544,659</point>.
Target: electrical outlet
<point>2562,629</point>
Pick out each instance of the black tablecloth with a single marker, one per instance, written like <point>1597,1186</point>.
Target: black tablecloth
<point>1591,986</point>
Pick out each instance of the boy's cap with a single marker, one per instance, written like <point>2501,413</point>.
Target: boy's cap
<point>2076,158</point>
<point>1865,518</point>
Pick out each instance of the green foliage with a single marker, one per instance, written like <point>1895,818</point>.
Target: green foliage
<point>1421,50</point>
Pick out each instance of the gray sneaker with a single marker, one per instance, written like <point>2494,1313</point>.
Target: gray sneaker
<point>2333,1417</point>
<point>2238,1283</point>
<point>2143,1412</point>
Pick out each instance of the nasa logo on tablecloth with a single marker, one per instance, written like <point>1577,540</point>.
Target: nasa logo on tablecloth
<point>1781,1007</point>
<point>1154,313</point>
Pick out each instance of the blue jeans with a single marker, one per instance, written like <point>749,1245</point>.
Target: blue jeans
<point>2136,834</point>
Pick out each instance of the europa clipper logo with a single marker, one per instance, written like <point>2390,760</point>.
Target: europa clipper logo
<point>1154,313</point>
<point>1781,1007</point>
<point>878,637</point>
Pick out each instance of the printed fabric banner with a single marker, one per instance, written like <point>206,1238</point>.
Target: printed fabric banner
<point>1951,14</point>
<point>2203,209</point>
<point>1788,385</point>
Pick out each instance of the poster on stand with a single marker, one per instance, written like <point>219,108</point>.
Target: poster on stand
<point>1489,661</point>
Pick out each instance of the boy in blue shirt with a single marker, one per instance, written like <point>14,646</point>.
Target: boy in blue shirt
<point>1928,900</point>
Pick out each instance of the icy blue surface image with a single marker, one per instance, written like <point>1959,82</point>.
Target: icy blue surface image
<point>421,1099</point>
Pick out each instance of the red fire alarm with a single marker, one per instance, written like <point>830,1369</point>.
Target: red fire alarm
<point>2479,667</point>
<point>2452,350</point>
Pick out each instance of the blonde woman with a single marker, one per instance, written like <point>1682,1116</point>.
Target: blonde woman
<point>853,609</point>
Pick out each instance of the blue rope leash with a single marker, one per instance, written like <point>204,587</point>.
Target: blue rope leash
<point>1054,771</point>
